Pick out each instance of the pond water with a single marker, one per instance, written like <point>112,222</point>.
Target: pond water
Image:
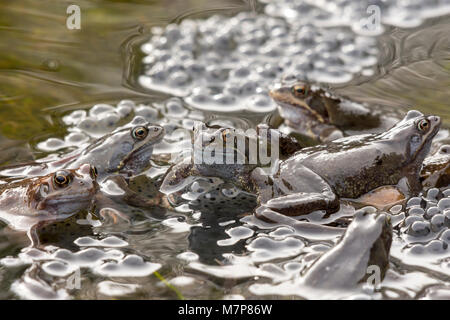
<point>175,62</point>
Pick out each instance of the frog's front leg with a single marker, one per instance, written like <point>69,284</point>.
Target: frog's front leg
<point>287,145</point>
<point>294,192</point>
<point>325,132</point>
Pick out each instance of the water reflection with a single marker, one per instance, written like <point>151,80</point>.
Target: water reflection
<point>208,247</point>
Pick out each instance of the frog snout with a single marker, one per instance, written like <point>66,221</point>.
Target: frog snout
<point>435,120</point>
<point>277,91</point>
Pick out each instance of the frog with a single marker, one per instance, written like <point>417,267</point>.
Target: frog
<point>125,151</point>
<point>210,143</point>
<point>317,114</point>
<point>54,196</point>
<point>361,251</point>
<point>316,178</point>
<point>435,171</point>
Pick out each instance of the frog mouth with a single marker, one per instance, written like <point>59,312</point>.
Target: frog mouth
<point>68,199</point>
<point>53,204</point>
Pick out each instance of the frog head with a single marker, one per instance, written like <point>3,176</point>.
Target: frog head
<point>126,150</point>
<point>64,191</point>
<point>412,137</point>
<point>300,99</point>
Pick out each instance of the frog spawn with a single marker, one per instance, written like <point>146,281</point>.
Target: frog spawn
<point>101,119</point>
<point>280,257</point>
<point>239,234</point>
<point>358,15</point>
<point>222,198</point>
<point>51,270</point>
<point>231,70</point>
<point>177,119</point>
<point>423,236</point>
<point>275,253</point>
<point>280,252</point>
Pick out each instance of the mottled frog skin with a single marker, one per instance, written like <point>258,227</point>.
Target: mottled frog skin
<point>320,115</point>
<point>50,197</point>
<point>362,251</point>
<point>127,151</point>
<point>435,172</point>
<point>210,145</point>
<point>315,178</point>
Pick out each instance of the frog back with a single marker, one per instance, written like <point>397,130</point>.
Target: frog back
<point>353,170</point>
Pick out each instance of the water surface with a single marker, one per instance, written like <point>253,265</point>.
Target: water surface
<point>211,250</point>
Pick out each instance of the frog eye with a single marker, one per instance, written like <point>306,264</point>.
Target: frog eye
<point>94,172</point>
<point>62,178</point>
<point>423,125</point>
<point>139,133</point>
<point>299,90</point>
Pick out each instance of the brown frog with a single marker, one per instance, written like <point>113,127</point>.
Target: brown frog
<point>54,196</point>
<point>317,114</point>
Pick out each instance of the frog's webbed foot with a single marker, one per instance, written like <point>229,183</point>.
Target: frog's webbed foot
<point>178,176</point>
<point>410,186</point>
